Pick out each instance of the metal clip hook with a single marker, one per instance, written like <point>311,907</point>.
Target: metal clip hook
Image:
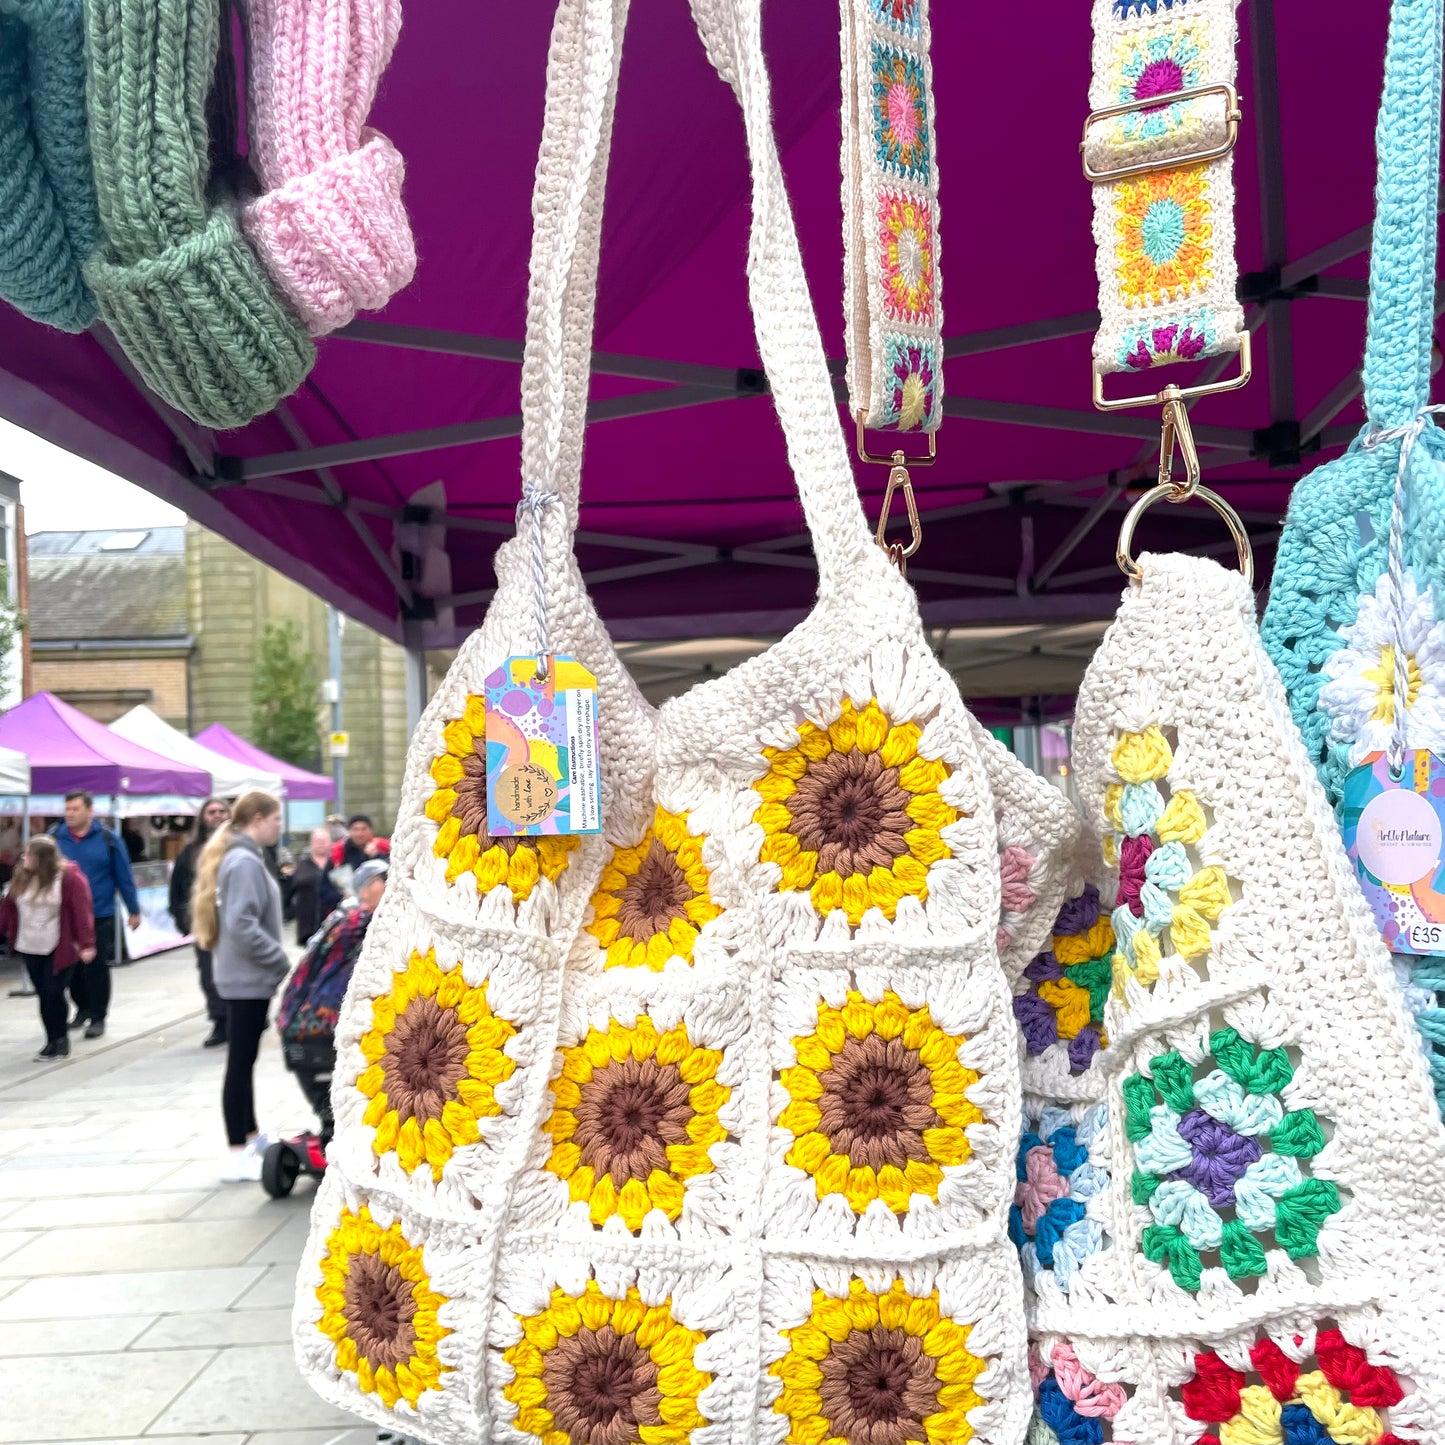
<point>1177,434</point>
<point>899,554</point>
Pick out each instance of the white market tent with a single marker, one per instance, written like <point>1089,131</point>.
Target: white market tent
<point>14,773</point>
<point>229,778</point>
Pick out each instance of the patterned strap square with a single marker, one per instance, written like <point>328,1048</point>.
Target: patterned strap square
<point>1164,231</point>
<point>892,302</point>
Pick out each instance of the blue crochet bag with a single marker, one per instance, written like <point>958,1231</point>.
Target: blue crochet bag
<point>1333,617</point>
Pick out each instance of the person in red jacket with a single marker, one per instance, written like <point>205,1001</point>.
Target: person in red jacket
<point>46,917</point>
<point>359,844</point>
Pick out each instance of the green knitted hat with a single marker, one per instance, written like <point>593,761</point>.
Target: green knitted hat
<point>175,280</point>
<point>48,223</point>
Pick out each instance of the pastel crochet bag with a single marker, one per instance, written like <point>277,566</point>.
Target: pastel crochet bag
<point>701,1130</point>
<point>1228,1203</point>
<point>1344,623</point>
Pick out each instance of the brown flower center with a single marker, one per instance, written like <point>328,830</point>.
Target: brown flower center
<point>878,1387</point>
<point>852,812</point>
<point>877,1101</point>
<point>470,807</point>
<point>379,1309</point>
<point>631,1110</point>
<point>601,1387</point>
<point>654,896</point>
<point>425,1060</point>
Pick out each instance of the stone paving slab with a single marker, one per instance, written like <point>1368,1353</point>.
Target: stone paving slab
<point>148,1301</point>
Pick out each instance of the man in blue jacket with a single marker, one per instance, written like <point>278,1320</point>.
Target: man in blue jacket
<point>102,857</point>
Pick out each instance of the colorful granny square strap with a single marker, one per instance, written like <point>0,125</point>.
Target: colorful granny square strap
<point>1158,148</point>
<point>893,311</point>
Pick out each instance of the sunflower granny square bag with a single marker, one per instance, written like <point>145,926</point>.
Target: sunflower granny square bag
<point>1232,1173</point>
<point>700,1130</point>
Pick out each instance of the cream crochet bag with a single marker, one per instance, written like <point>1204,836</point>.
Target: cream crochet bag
<point>701,1130</point>
<point>1229,1213</point>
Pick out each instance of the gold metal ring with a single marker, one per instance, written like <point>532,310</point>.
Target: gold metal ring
<point>1131,569</point>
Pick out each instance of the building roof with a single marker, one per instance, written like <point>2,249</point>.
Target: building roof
<point>108,586</point>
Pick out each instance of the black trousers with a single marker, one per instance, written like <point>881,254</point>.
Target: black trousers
<point>215,1004</point>
<point>90,982</point>
<point>245,1023</point>
<point>50,985</point>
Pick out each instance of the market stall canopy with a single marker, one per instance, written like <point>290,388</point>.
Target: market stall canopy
<point>69,750</point>
<point>295,783</point>
<point>230,777</point>
<point>387,481</point>
<point>14,773</point>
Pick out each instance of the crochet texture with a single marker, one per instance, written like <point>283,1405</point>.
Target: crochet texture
<point>48,221</point>
<point>330,228</point>
<point>1225,1205</point>
<point>174,278</point>
<point>700,1130</point>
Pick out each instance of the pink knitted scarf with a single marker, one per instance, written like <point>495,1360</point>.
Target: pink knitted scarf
<point>330,227</point>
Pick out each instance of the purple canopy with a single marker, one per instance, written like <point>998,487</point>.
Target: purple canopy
<point>688,506</point>
<point>298,782</point>
<point>69,750</point>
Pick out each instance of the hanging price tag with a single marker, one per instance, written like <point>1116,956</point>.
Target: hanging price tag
<point>1395,835</point>
<point>543,770</point>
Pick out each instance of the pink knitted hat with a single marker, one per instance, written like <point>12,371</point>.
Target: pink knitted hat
<point>330,227</point>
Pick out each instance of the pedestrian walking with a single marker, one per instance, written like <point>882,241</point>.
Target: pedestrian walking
<point>314,893</point>
<point>183,880</point>
<point>101,856</point>
<point>236,909</point>
<point>46,917</point>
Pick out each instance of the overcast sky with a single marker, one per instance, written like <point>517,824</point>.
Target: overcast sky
<point>62,492</point>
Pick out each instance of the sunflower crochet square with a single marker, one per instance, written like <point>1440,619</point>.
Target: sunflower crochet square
<point>614,1349</point>
<point>643,1117</point>
<point>387,1321</point>
<point>434,1054</point>
<point>866,1351</point>
<point>889,1100</point>
<point>1222,1163</point>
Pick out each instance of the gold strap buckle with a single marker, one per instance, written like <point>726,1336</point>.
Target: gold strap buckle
<point>1232,116</point>
<point>1179,393</point>
<point>898,553</point>
<point>897,459</point>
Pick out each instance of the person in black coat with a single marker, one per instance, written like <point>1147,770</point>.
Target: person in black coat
<point>313,893</point>
<point>183,878</point>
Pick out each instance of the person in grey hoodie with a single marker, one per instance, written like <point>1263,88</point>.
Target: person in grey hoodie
<point>236,912</point>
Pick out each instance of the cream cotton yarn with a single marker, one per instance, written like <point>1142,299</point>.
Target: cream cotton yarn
<point>1228,1214</point>
<point>684,1131</point>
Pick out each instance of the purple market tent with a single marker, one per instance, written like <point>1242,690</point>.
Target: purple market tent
<point>387,481</point>
<point>69,750</point>
<point>297,783</point>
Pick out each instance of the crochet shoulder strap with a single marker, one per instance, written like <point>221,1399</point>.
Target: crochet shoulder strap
<point>1402,259</point>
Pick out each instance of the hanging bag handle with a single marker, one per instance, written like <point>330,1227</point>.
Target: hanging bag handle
<point>1401,322</point>
<point>567,206</point>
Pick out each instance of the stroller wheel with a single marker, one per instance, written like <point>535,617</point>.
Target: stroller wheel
<point>279,1168</point>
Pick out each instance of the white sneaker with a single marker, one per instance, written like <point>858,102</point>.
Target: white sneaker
<point>239,1166</point>
<point>258,1144</point>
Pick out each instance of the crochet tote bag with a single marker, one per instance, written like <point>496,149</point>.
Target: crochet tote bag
<point>1228,1208</point>
<point>701,1130</point>
<point>1339,610</point>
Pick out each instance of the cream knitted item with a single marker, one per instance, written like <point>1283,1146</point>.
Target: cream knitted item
<point>1229,1215</point>
<point>651,1136</point>
<point>330,227</point>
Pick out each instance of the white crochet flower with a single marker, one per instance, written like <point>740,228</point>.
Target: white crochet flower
<point>1360,694</point>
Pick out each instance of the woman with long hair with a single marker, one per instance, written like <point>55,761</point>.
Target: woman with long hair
<point>236,913</point>
<point>46,918</point>
<point>214,812</point>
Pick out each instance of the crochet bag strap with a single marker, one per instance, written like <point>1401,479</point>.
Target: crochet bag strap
<point>1331,590</point>
<point>567,218</point>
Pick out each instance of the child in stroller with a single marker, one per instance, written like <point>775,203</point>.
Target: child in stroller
<point>306,1020</point>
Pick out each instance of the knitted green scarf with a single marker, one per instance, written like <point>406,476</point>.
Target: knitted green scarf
<point>175,280</point>
<point>47,200</point>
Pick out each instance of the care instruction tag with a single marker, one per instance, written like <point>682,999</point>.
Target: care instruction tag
<point>1395,836</point>
<point>543,771</point>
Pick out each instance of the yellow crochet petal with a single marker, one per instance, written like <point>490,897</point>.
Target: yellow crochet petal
<point>1142,757</point>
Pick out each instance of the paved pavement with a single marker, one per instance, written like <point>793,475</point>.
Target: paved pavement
<point>140,1299</point>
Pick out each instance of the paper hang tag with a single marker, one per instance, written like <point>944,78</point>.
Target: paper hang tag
<point>543,768</point>
<point>1395,835</point>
